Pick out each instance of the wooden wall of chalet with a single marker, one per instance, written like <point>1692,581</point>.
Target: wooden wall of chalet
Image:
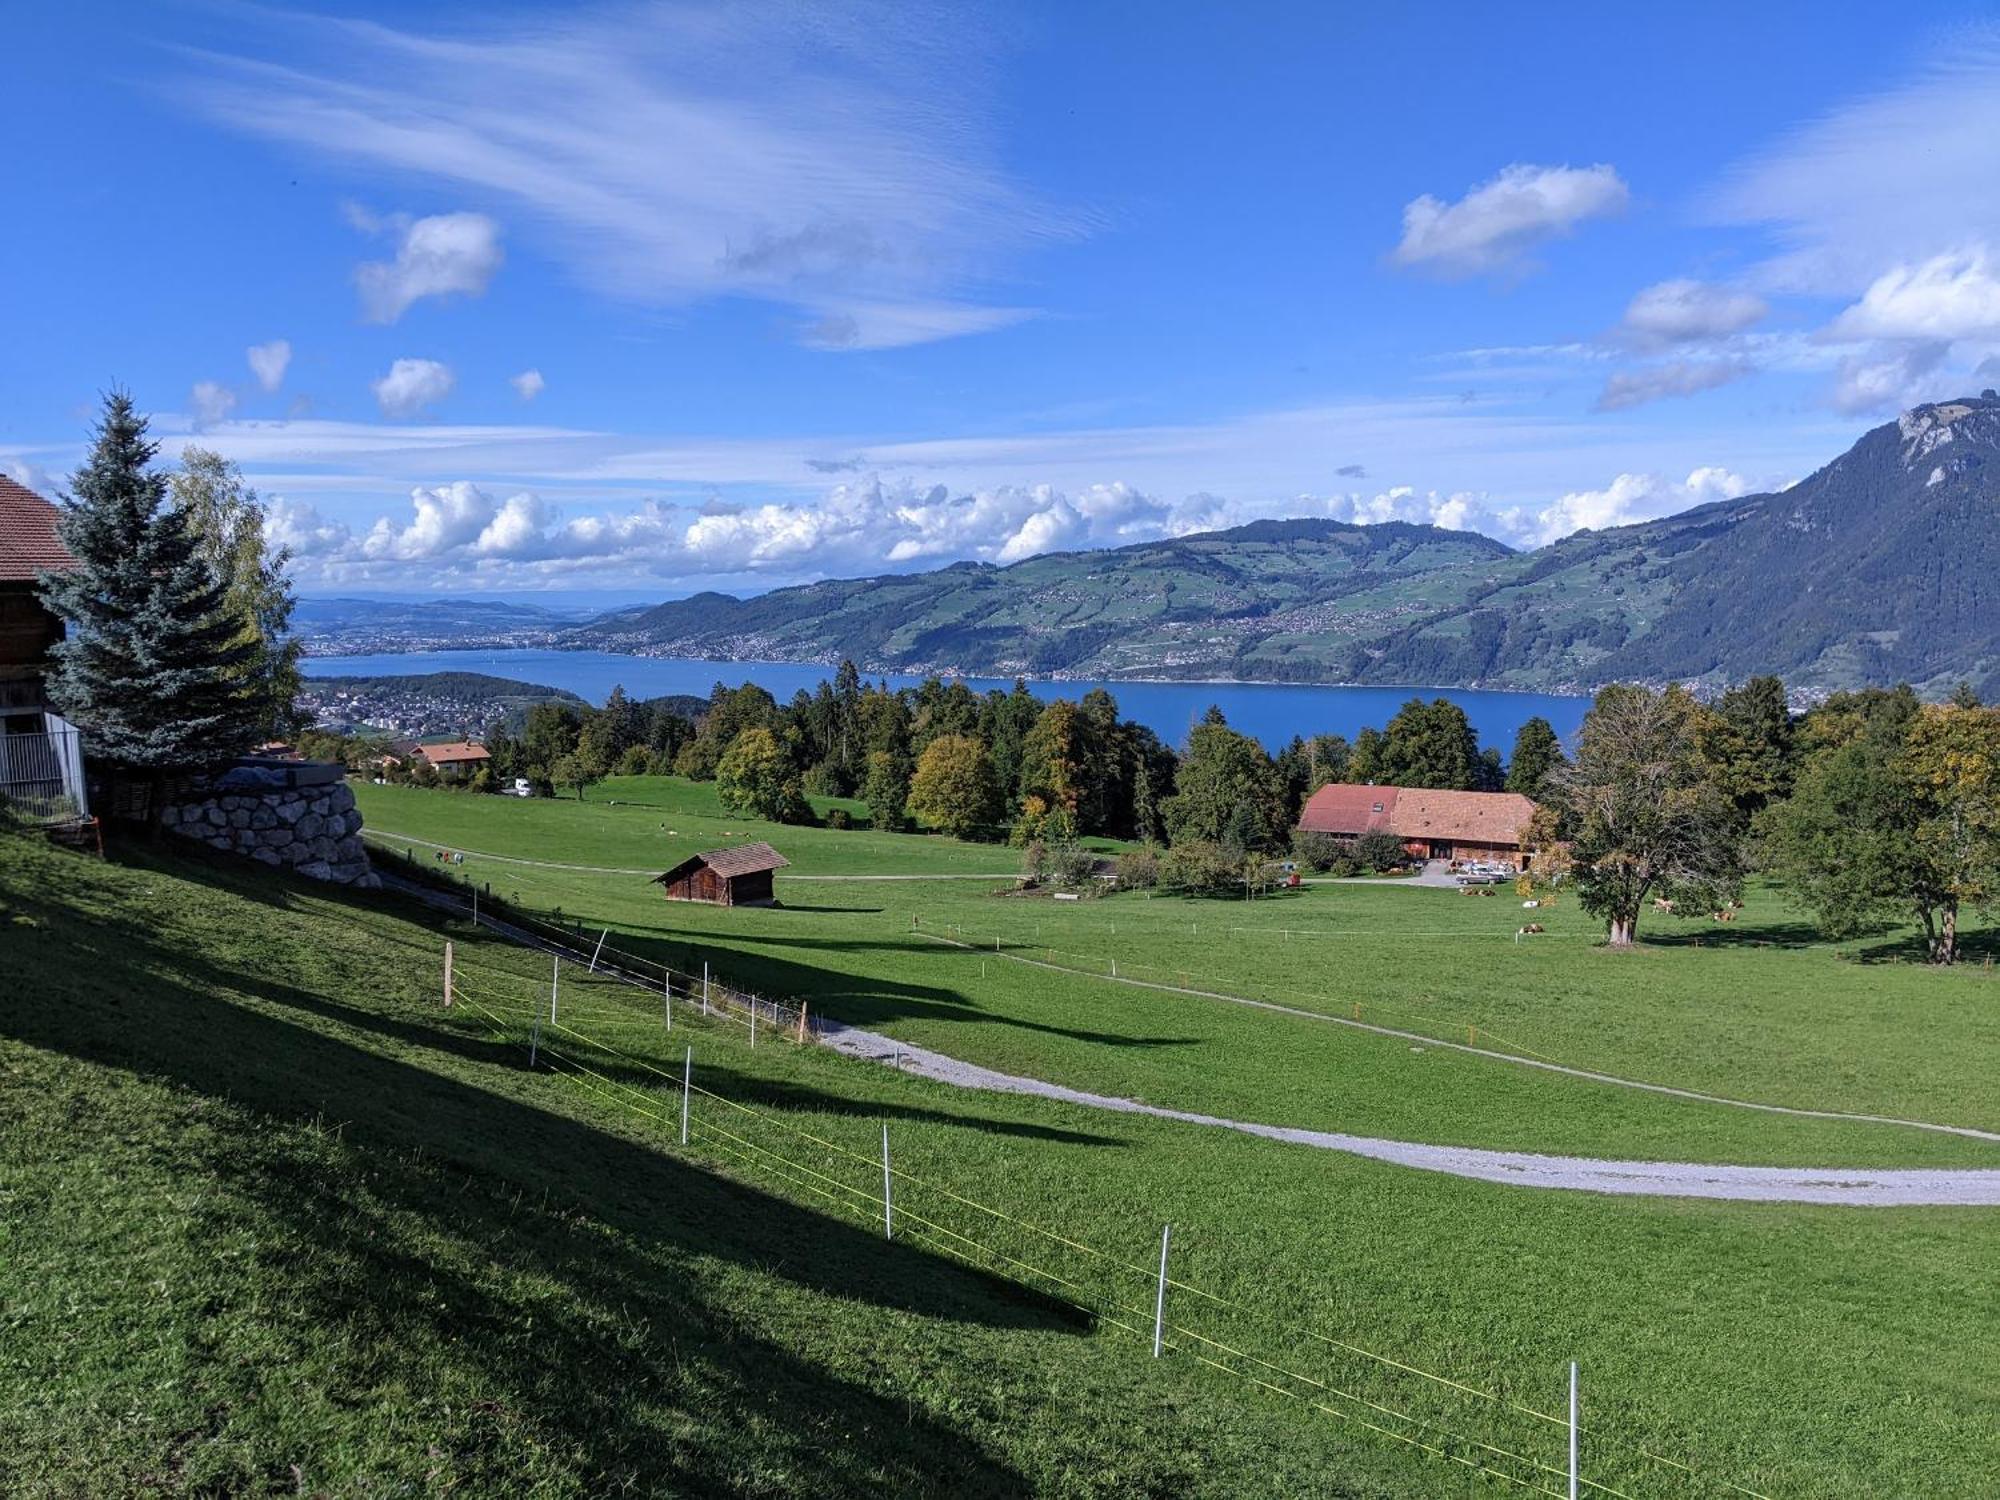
<point>703,884</point>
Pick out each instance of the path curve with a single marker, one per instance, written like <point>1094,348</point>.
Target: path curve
<point>1859,1187</point>
<point>1973,1187</point>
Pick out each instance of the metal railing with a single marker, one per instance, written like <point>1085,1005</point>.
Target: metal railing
<point>41,774</point>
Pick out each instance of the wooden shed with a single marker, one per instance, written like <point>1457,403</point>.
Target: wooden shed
<point>736,876</point>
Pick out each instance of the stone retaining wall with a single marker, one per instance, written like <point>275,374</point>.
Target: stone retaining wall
<point>312,830</point>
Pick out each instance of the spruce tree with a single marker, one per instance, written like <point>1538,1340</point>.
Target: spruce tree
<point>151,667</point>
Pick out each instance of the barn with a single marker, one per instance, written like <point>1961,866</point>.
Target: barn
<point>737,876</point>
<point>1432,824</point>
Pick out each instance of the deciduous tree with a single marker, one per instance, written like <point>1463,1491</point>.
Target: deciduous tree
<point>952,788</point>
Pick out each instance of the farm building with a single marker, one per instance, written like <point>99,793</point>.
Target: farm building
<point>41,753</point>
<point>737,876</point>
<point>455,759</point>
<point>1431,824</point>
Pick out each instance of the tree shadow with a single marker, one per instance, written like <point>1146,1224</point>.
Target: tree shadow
<point>1707,933</point>
<point>126,997</point>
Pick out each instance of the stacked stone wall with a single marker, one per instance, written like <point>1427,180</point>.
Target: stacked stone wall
<point>313,830</point>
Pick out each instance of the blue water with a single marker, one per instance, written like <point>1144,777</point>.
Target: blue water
<point>1273,712</point>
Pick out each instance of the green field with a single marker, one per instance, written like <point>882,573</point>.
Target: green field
<point>274,1220</point>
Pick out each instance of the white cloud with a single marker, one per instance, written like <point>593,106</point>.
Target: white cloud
<point>443,255</point>
<point>1679,377</point>
<point>528,384</point>
<point>834,163</point>
<point>1889,377</point>
<point>296,525</point>
<point>1495,224</point>
<point>1684,311</point>
<point>1630,498</point>
<point>268,362</point>
<point>211,402</point>
<point>412,385</point>
<point>1950,296</point>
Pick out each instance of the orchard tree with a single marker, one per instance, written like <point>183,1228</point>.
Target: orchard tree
<point>1952,758</point>
<point>1644,811</point>
<point>952,788</point>
<point>153,664</point>
<point>576,770</point>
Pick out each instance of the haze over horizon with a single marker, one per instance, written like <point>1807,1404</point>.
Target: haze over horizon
<point>651,299</point>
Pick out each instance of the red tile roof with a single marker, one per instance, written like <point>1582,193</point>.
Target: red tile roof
<point>1416,813</point>
<point>455,753</point>
<point>29,546</point>
<point>1345,807</point>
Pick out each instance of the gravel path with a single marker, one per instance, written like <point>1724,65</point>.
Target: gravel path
<point>1855,1187</point>
<point>386,836</point>
<point>1859,1187</point>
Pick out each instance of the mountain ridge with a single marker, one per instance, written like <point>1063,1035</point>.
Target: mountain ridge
<point>1880,566</point>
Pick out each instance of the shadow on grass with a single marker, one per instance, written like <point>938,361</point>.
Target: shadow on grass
<point>108,988</point>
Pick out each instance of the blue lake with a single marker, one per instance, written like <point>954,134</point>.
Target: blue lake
<point>1273,712</point>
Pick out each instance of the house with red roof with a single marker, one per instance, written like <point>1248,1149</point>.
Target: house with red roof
<point>1432,824</point>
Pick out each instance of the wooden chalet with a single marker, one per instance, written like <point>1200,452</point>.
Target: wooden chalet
<point>737,876</point>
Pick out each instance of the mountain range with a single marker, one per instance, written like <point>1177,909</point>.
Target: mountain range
<point>1883,566</point>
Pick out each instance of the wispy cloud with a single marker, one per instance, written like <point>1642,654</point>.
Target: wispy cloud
<point>831,162</point>
<point>1683,311</point>
<point>268,362</point>
<point>1676,377</point>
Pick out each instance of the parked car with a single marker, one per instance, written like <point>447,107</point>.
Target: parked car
<point>520,788</point>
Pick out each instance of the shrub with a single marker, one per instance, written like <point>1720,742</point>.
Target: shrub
<point>1380,851</point>
<point>635,761</point>
<point>1319,851</point>
<point>1198,867</point>
<point>837,817</point>
<point>1139,869</point>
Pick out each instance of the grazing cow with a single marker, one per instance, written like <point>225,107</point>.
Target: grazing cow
<point>1660,903</point>
<point>1532,927</point>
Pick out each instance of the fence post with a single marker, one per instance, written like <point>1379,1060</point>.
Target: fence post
<point>555,983</point>
<point>534,1043</point>
<point>475,906</point>
<point>753,1020</point>
<point>704,986</point>
<point>667,997</point>
<point>1160,1297</point>
<point>1572,1431</point>
<point>598,949</point>
<point>447,973</point>
<point>687,1080</point>
<point>802,1023</point>
<point>888,1211</point>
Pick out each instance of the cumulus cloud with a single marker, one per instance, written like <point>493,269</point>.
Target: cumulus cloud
<point>1630,498</point>
<point>211,402</point>
<point>1495,224</point>
<point>834,162</point>
<point>1683,311</point>
<point>528,384</point>
<point>1889,377</point>
<point>411,386</point>
<point>440,256</point>
<point>1629,388</point>
<point>1950,296</point>
<point>296,526</point>
<point>268,362</point>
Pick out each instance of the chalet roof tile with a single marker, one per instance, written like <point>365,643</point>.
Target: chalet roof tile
<point>29,545</point>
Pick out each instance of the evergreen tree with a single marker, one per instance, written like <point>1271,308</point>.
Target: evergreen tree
<point>152,667</point>
<point>1537,753</point>
<point>1430,745</point>
<point>226,519</point>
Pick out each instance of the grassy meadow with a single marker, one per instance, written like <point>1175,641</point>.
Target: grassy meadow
<point>275,1220</point>
<point>1755,1010</point>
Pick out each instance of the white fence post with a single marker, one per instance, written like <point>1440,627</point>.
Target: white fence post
<point>753,1020</point>
<point>888,1210</point>
<point>1160,1297</point>
<point>598,949</point>
<point>447,973</point>
<point>555,983</point>
<point>667,998</point>
<point>1572,1431</point>
<point>687,1080</point>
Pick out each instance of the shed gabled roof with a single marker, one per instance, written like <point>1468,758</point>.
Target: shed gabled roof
<point>737,859</point>
<point>29,546</point>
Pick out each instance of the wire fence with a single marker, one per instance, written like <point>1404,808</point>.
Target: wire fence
<point>1492,1433</point>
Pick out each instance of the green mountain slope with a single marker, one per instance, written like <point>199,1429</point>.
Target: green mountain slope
<point>1882,566</point>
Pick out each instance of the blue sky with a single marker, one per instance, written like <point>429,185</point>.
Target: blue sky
<point>656,298</point>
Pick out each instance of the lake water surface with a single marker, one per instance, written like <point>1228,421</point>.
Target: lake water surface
<point>1273,712</point>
